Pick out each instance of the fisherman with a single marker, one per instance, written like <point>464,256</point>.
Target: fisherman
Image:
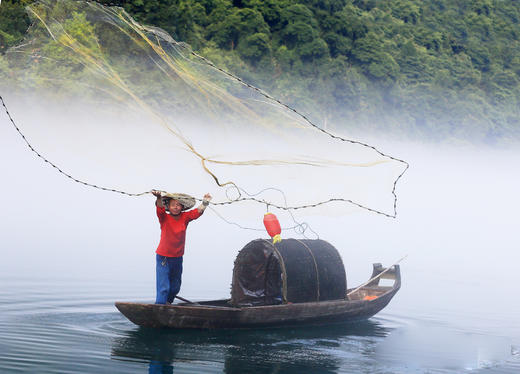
<point>174,216</point>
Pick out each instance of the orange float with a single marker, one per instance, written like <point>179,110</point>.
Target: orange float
<point>273,227</point>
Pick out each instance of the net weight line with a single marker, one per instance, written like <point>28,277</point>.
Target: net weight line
<point>249,196</point>
<point>231,201</point>
<point>57,167</point>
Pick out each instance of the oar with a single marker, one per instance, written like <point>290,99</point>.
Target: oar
<point>186,300</point>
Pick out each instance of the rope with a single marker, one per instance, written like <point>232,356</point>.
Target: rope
<point>282,267</point>
<point>299,227</point>
<point>315,268</point>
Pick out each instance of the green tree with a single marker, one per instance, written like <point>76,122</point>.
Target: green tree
<point>13,23</point>
<point>451,66</point>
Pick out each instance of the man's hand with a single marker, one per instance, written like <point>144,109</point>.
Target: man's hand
<point>206,199</point>
<point>156,193</point>
<point>205,203</point>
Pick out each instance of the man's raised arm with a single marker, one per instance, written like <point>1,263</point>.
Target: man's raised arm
<point>158,195</point>
<point>205,202</point>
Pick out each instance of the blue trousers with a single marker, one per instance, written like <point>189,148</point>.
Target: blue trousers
<point>168,272</point>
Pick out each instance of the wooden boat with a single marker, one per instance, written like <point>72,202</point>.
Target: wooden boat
<point>359,303</point>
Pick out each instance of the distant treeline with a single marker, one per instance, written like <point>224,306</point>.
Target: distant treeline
<point>430,68</point>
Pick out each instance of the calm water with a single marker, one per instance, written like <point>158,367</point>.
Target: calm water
<point>72,327</point>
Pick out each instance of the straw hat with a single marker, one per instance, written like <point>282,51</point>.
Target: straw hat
<point>186,201</point>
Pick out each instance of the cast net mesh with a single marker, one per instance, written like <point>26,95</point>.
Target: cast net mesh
<point>124,106</point>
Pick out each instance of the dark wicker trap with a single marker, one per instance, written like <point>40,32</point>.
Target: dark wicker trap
<point>291,271</point>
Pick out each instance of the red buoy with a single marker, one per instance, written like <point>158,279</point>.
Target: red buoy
<point>273,227</point>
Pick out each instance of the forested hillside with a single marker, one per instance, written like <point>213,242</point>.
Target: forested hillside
<point>440,69</point>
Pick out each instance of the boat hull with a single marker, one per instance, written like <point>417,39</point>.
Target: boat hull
<point>362,303</point>
<point>207,317</point>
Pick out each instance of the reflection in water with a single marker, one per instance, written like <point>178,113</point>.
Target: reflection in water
<point>302,350</point>
<point>160,367</point>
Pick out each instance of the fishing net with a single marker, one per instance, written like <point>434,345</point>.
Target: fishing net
<point>295,271</point>
<point>125,107</point>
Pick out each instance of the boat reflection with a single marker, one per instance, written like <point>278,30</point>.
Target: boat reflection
<point>289,350</point>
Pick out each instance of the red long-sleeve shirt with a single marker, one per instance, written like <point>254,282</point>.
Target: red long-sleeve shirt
<point>173,231</point>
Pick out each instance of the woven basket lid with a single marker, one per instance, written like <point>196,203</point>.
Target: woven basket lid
<point>186,201</point>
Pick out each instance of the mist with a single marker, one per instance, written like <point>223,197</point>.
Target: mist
<point>456,222</point>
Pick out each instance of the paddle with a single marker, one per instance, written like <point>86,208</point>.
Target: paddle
<point>186,300</point>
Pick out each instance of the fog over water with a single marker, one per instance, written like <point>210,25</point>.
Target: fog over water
<point>65,245</point>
